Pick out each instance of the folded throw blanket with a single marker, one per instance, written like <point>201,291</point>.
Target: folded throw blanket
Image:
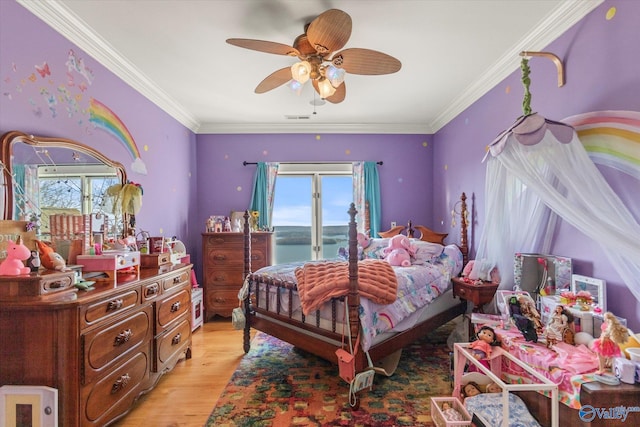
<point>319,282</point>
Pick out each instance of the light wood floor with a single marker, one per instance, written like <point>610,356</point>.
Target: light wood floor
<point>186,396</point>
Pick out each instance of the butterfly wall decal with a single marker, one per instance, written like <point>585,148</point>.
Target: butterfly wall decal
<point>43,70</point>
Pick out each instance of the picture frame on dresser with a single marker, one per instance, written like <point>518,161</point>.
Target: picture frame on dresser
<point>595,287</point>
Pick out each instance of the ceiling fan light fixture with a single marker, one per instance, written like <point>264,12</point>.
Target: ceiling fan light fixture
<point>335,75</point>
<point>295,86</point>
<point>325,88</point>
<point>301,71</point>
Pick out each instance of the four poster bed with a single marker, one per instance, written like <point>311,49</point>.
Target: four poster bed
<point>423,302</point>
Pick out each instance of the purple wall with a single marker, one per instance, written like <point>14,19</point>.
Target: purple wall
<point>55,102</point>
<point>405,176</point>
<point>602,69</point>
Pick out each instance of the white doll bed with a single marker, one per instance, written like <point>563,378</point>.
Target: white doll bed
<point>462,356</point>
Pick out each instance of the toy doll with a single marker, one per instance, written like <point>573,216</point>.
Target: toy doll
<point>481,348</point>
<point>557,324</point>
<point>607,345</point>
<point>451,414</point>
<point>470,389</point>
<point>493,388</point>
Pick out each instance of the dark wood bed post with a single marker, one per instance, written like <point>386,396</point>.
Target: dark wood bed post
<point>353,297</point>
<point>464,244</point>
<point>247,270</point>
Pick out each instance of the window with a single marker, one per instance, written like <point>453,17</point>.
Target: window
<point>76,190</point>
<point>310,210</point>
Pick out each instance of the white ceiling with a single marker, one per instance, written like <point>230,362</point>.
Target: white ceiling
<point>174,52</point>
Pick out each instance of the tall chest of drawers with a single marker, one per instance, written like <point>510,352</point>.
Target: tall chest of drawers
<point>223,267</point>
<point>101,349</point>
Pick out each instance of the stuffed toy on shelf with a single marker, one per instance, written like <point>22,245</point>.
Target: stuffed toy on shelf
<point>51,259</point>
<point>13,265</point>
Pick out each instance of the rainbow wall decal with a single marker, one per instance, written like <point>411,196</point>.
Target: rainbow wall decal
<point>611,138</point>
<point>102,117</point>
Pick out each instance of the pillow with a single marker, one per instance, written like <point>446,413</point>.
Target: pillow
<point>425,252</point>
<point>376,248</point>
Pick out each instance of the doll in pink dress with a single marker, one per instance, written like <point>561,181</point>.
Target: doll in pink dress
<point>607,345</point>
<point>481,348</point>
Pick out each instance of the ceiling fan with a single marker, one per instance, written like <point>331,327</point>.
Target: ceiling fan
<point>321,59</point>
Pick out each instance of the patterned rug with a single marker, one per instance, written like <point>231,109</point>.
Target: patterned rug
<point>279,385</point>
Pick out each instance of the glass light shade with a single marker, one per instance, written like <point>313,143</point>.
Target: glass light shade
<point>300,71</point>
<point>295,86</point>
<point>335,75</point>
<point>325,88</point>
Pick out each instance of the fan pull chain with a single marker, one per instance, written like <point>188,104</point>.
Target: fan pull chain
<point>526,82</point>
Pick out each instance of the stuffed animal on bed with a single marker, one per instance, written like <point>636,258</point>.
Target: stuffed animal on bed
<point>363,242</point>
<point>399,251</point>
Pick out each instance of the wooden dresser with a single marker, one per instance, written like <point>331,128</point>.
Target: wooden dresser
<point>223,265</point>
<point>101,348</point>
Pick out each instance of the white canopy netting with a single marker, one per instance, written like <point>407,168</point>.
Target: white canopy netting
<point>538,171</point>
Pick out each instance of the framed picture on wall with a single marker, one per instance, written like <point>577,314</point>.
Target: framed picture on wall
<point>26,405</point>
<point>595,287</point>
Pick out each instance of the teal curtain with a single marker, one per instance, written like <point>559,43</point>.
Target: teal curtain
<point>372,195</point>
<point>264,184</point>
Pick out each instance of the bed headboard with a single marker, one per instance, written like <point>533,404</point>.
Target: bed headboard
<point>428,235</point>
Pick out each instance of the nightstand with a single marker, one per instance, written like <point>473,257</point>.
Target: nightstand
<point>479,294</point>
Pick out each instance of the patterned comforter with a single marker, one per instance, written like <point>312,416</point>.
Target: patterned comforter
<point>418,285</point>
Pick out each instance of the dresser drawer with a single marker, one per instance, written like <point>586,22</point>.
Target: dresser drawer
<point>176,280</point>
<point>105,346</point>
<point>109,307</point>
<point>151,290</point>
<point>224,276</point>
<point>171,343</point>
<point>172,307</point>
<point>116,391</point>
<point>221,301</point>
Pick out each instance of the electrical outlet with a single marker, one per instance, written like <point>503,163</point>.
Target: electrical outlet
<point>393,224</point>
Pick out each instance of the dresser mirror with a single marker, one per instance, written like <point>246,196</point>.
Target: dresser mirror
<point>51,182</point>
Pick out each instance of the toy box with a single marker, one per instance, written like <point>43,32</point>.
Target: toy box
<point>440,418</point>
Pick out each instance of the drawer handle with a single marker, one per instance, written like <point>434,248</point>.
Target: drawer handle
<point>152,290</point>
<point>219,279</point>
<point>176,280</point>
<point>115,305</point>
<point>255,257</point>
<point>120,384</point>
<point>219,257</point>
<point>176,340</point>
<point>123,337</point>
<point>220,300</point>
<point>175,306</point>
<point>56,285</point>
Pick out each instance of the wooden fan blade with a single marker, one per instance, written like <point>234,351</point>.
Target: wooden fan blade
<point>273,80</point>
<point>338,96</point>
<point>330,31</point>
<point>265,46</point>
<point>366,61</point>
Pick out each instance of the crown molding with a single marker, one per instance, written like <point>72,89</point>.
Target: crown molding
<point>360,128</point>
<point>65,22</point>
<point>550,28</point>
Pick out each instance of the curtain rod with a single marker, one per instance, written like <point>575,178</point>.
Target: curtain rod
<point>245,163</point>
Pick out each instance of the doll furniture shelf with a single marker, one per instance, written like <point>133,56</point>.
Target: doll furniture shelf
<point>499,357</point>
<point>112,263</point>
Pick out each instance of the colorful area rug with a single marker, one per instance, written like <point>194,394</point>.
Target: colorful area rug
<point>279,385</point>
